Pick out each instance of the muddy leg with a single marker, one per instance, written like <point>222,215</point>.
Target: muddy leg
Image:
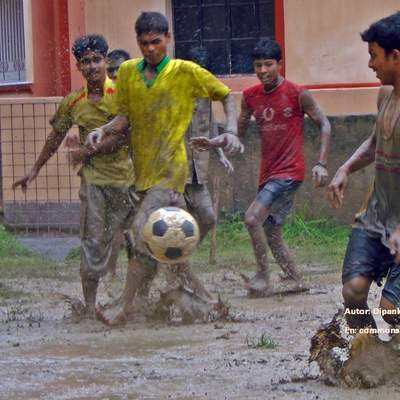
<point>135,277</point>
<point>199,204</point>
<point>355,295</point>
<point>281,252</point>
<point>254,219</point>
<point>149,275</point>
<point>189,279</point>
<point>116,246</point>
<point>89,289</point>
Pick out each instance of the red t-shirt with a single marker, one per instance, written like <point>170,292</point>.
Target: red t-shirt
<point>281,121</point>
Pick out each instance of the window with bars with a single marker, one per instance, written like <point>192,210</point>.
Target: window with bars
<point>12,42</point>
<point>228,29</point>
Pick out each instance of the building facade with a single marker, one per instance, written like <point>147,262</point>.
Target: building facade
<point>320,41</point>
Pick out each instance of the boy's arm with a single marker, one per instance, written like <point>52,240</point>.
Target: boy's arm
<point>119,125</point>
<point>109,144</point>
<point>214,132</point>
<point>362,157</point>
<point>244,118</point>
<point>228,141</point>
<point>51,145</point>
<point>229,105</point>
<point>310,107</point>
<point>220,154</point>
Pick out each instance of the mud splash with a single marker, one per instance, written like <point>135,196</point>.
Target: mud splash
<point>361,361</point>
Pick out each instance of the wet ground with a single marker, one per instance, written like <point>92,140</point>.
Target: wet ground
<point>52,247</point>
<point>47,356</point>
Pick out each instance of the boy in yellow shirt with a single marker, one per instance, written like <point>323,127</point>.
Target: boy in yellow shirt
<point>107,174</point>
<point>155,96</point>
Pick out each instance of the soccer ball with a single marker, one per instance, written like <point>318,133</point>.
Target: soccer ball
<point>171,234</point>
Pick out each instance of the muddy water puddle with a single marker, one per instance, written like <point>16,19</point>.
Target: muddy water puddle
<point>58,360</point>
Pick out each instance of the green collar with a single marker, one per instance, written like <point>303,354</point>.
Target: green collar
<point>142,65</point>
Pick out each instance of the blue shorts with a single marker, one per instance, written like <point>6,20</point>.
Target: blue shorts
<point>367,256</point>
<point>277,195</point>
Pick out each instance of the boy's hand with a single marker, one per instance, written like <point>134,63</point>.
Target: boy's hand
<point>226,164</point>
<point>319,175</point>
<point>26,180</point>
<point>95,136</point>
<point>337,187</point>
<point>71,141</point>
<point>78,156</point>
<point>230,143</point>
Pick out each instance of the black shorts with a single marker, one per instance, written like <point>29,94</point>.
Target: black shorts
<point>367,256</point>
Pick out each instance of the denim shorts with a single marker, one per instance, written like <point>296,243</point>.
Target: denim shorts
<point>277,195</point>
<point>367,256</point>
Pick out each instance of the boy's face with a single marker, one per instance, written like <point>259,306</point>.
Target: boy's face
<point>113,67</point>
<point>153,46</point>
<point>383,65</point>
<point>92,66</point>
<point>267,70</point>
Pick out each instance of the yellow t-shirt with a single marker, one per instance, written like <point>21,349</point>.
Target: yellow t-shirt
<point>115,169</point>
<point>160,115</point>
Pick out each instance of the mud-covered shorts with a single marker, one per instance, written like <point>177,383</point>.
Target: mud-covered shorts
<point>151,200</point>
<point>105,210</point>
<point>277,195</point>
<point>198,202</point>
<point>367,256</point>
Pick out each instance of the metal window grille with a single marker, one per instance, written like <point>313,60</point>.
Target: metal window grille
<point>228,29</point>
<point>12,42</point>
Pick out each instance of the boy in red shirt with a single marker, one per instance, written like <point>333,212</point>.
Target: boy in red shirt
<point>278,106</point>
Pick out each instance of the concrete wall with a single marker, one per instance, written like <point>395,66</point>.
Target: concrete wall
<point>239,190</point>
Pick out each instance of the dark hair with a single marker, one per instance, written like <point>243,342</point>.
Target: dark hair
<point>117,54</point>
<point>267,49</point>
<point>385,32</point>
<point>199,55</point>
<point>89,43</point>
<point>151,22</point>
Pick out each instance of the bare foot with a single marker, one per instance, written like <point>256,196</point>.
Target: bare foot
<point>259,282</point>
<point>299,286</point>
<point>79,311</point>
<point>283,276</point>
<point>258,286</point>
<point>112,317</point>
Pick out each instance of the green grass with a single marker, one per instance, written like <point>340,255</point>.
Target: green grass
<point>263,342</point>
<point>16,260</point>
<point>319,242</point>
<point>313,242</point>
<point>9,246</point>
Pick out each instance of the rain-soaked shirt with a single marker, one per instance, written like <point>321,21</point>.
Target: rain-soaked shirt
<point>281,120</point>
<point>160,115</point>
<point>115,169</point>
<point>203,124</point>
<point>381,213</point>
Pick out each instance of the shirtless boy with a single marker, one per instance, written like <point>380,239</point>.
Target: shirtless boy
<point>373,251</point>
